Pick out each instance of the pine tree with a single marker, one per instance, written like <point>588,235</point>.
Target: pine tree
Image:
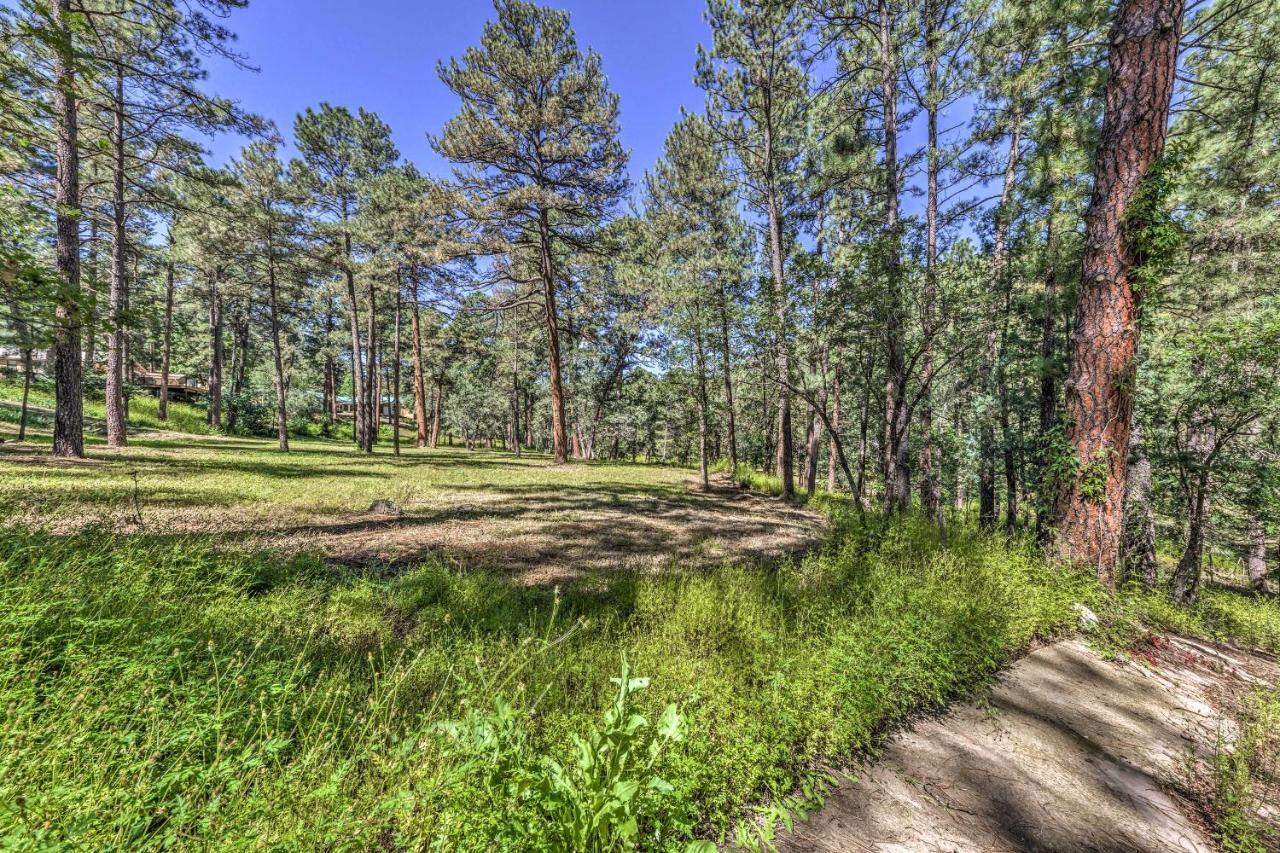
<point>539,162</point>
<point>341,155</point>
<point>1143,62</point>
<point>757,98</point>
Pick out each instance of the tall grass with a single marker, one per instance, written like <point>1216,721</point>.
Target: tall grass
<point>161,692</point>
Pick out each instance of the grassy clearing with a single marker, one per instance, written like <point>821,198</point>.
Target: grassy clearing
<point>164,691</point>
<point>479,508</point>
<point>175,683</point>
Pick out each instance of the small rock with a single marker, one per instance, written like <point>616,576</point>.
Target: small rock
<point>386,507</point>
<point>1088,619</point>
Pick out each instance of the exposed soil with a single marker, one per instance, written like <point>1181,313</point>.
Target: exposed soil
<point>543,537</point>
<point>1068,752</point>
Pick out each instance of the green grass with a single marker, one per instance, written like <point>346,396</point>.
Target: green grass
<point>144,410</point>
<point>207,483</point>
<point>162,691</point>
<point>183,690</point>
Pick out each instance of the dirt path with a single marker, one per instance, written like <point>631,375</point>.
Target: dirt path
<point>1070,752</point>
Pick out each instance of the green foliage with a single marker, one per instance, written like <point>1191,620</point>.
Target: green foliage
<point>593,803</point>
<point>1244,769</point>
<point>165,692</point>
<point>1155,235</point>
<point>251,414</point>
<point>1094,475</point>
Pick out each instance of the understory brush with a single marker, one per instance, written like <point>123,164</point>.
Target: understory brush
<point>1246,776</point>
<point>168,692</point>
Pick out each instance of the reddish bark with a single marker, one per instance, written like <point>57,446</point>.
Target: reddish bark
<point>1099,386</point>
<point>419,379</point>
<point>558,431</point>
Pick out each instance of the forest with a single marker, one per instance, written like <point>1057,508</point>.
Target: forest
<point>556,501</point>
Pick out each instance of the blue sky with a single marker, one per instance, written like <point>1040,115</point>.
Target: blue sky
<point>382,55</point>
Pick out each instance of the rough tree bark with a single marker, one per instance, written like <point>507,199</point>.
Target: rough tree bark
<point>419,376</point>
<point>1143,59</point>
<point>559,434</point>
<point>116,433</point>
<point>68,421</point>
<point>1185,585</point>
<point>781,357</point>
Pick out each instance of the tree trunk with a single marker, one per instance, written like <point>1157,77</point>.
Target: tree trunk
<point>419,375</point>
<point>727,365</point>
<point>240,328</point>
<point>994,403</point>
<point>702,404</point>
<point>1099,388</point>
<point>1048,379</point>
<point>1256,564</point>
<point>166,346</point>
<point>68,423</point>
<point>515,399</point>
<point>558,430</point>
<point>277,354</point>
<point>116,433</point>
<point>960,498</point>
<point>835,432</point>
<point>395,377</point>
<point>782,359</point>
<point>372,384</point>
<point>1186,577</point>
<point>897,483</point>
<point>27,370</point>
<point>813,439</point>
<point>357,366</point>
<point>930,484</point>
<point>215,360</point>
<point>1140,524</point>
